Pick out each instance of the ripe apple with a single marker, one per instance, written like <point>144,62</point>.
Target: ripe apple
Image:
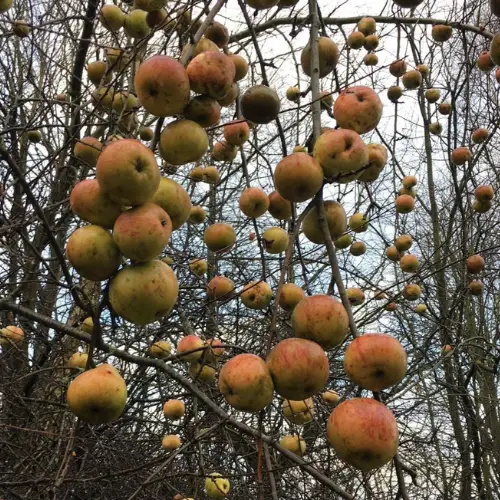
<point>168,260</point>
<point>174,409</point>
<point>479,135</point>
<point>475,264</point>
<point>196,174</point>
<point>421,309</point>
<point>398,68</point>
<point>377,159</point>
<point>391,306</point>
<point>135,24</point>
<point>335,218</point>
<point>293,94</point>
<point>412,79</point>
<point>393,254</point>
<point>279,208</point>
<point>220,287</point>
<point>328,54</point>
<point>203,110</point>
<point>447,349</point>
<point>198,267</point>
<point>441,32</point>
<point>93,253</point>
<point>331,398</point>
<point>299,368</point>
<point>112,17</point>
<point>370,59</point>
<point>88,150</point>
<point>371,42</point>
<point>476,287</point>
<point>358,108</point>
<point>241,66</point>
<point>174,199</point>
<point>160,349</point>
<point>187,344</point>
<point>246,383</point>
<point>444,108</point>
<point>343,242</point>
<point>423,68</point>
<point>215,350</point>
<point>322,319</point>
<point>356,40</point>
<point>11,334</point>
<point>367,26</point>
<point>358,222</point>
<point>252,236</point>
<point>350,432</point>
<point>254,202</point>
<point>394,93</point>
<point>403,242</point>
<point>411,292</point>
<point>87,325</point>
<point>236,133</point>
<point>260,104</point>
<point>484,193</point>
<point>216,486</point>
<point>183,141</point>
<point>142,232</point>
<point>96,71</point>
<point>203,373</point>
<point>145,292</point>
<point>484,62</point>
<point>256,295</point>
<point>230,96</point>
<point>299,412</point>
<point>291,295</point>
<point>404,204</point>
<point>294,443</point>
<point>127,172</point>
<point>461,155</point>
<point>171,442</point>
<point>78,360</point>
<point>495,45</point>
<point>355,296</point>
<point>203,45</point>
<point>358,248</point>
<point>97,396</point>
<point>222,151</point>
<point>219,237</point>
<point>197,215</point>
<point>409,263</point>
<point>275,240</point>
<point>158,18</point>
<point>375,361</point>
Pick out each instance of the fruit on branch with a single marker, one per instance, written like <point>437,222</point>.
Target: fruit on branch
<point>87,325</point>
<point>404,204</point>
<point>142,232</point>
<point>421,309</point>
<point>21,29</point>
<point>256,295</point>
<point>220,287</point>
<point>350,432</point>
<point>279,208</point>
<point>219,237</point>
<point>336,222</point>
<point>222,151</point>
<point>218,34</point>
<point>202,372</point>
<point>196,174</point>
<point>111,17</point>
<point>294,443</point>
<point>97,396</point>
<point>298,412</point>
<point>476,287</point>
<point>411,292</point>
<point>197,215</point>
<point>203,45</point>
<point>146,133</point>
<point>93,253</point>
<point>392,306</point>
<point>446,349</point>
<point>371,42</point>
<point>174,409</point>
<point>298,177</point>
<point>215,351</point>
<point>326,99</point>
<point>479,135</point>
<point>158,18</point>
<point>394,93</point>
<point>254,202</point>
<point>461,155</point>
<point>230,96</point>
<point>435,128</point>
<point>475,264</point>
<point>183,141</point>
<point>145,292</point>
<point>78,360</point>
<point>187,344</point>
<point>343,242</point>
<point>34,136</point>
<point>174,199</point>
<point>331,398</point>
<point>162,85</point>
<point>322,319</point>
<point>103,97</point>
<point>424,69</point>
<point>246,384</point>
<point>377,159</point>
<point>135,24</point>
<point>124,101</point>
<point>495,49</point>
<point>398,68</point>
<point>203,110</point>
<point>171,442</point>
<point>5,5</point>
<point>403,242</point>
<point>328,53</point>
<point>375,361</point>
<point>198,267</point>
<point>299,368</point>
<point>96,71</point>
<point>127,172</point>
<point>341,153</point>
<point>211,175</point>
<point>484,62</point>
<point>409,263</point>
<point>251,236</point>
<point>88,202</point>
<point>392,253</point>
<point>441,33</point>
<point>291,295</point>
<point>11,334</point>
<point>358,108</point>
<point>180,497</point>
<point>412,79</point>
<point>240,65</point>
<point>358,222</point>
<point>217,486</point>
<point>356,40</point>
<point>211,73</point>
<point>367,26</point>
<point>371,59</point>
<point>409,192</point>
<point>484,193</point>
<point>481,207</point>
<point>168,260</point>
<point>150,5</point>
<point>408,4</point>
<point>275,240</point>
<point>160,349</point>
<point>355,296</point>
<point>118,59</point>
<point>409,181</point>
<point>444,108</point>
<point>260,104</point>
<point>236,133</point>
<point>432,95</point>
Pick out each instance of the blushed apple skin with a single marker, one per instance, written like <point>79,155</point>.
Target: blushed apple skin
<point>375,361</point>
<point>364,433</point>
<point>190,343</point>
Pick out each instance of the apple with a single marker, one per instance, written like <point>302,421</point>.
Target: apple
<point>220,287</point>
<point>254,202</point>
<point>174,409</point>
<point>358,248</point>
<point>461,155</point>
<point>375,361</point>
<point>358,222</point>
<point>183,141</point>
<point>446,349</point>
<point>124,101</point>
<point>222,151</point>
<point>393,254</point>
<point>322,319</point>
<point>299,368</point>
<point>495,47</point>
<point>299,412</point>
<point>291,294</point>
<point>88,150</point>
<point>196,174</point>
<point>484,193</point>
<point>246,384</point>
<point>218,33</point>
<point>294,443</point>
<point>252,236</point>
<point>142,232</point>
<point>241,66</point>
<point>93,253</point>
<point>146,133</point>
<point>411,192</point>
<point>187,344</point>
<point>377,159</point>
<point>96,71</point>
<point>421,309</point>
<point>441,32</point>
<point>127,172</point>
<point>203,373</point>
<point>350,430</point>
<point>144,293</point>
<point>78,360</point>
<point>371,42</point>
<point>118,59</point>
<point>230,96</point>
<point>198,267</point>
<point>409,263</point>
<point>411,292</point>
<point>103,98</point>
<point>260,104</point>
<point>219,237</point>
<point>479,135</point>
<point>394,93</point>
<point>203,110</point>
<point>343,241</point>
<point>158,18</point>
<point>412,79</point>
<point>404,204</point>
<point>111,17</point>
<point>135,24</point>
<point>335,219</point>
<point>217,486</point>
<point>256,295</point>
<point>355,296</point>
<point>432,95</point>
<point>275,240</point>
<point>197,215</point>
<point>484,62</point>
<point>279,208</point>
<point>475,264</point>
<point>5,5</point>
<point>160,349</point>
<point>358,108</point>
<point>215,351</point>
<point>88,325</point>
<point>331,398</point>
<point>367,26</point>
<point>341,153</point>
<point>328,54</point>
<point>11,335</point>
<point>293,94</point>
<point>403,242</point>
<point>171,442</point>
<point>409,181</point>
<point>236,133</point>
<point>21,29</point>
<point>476,287</point>
<point>398,68</point>
<point>481,207</point>
<point>356,40</point>
<point>168,260</point>
<point>392,306</point>
<point>174,199</point>
<point>371,59</point>
<point>445,108</point>
<point>203,45</point>
<point>97,396</point>
<point>423,68</point>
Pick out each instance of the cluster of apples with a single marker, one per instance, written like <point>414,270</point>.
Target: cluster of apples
<point>10,336</point>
